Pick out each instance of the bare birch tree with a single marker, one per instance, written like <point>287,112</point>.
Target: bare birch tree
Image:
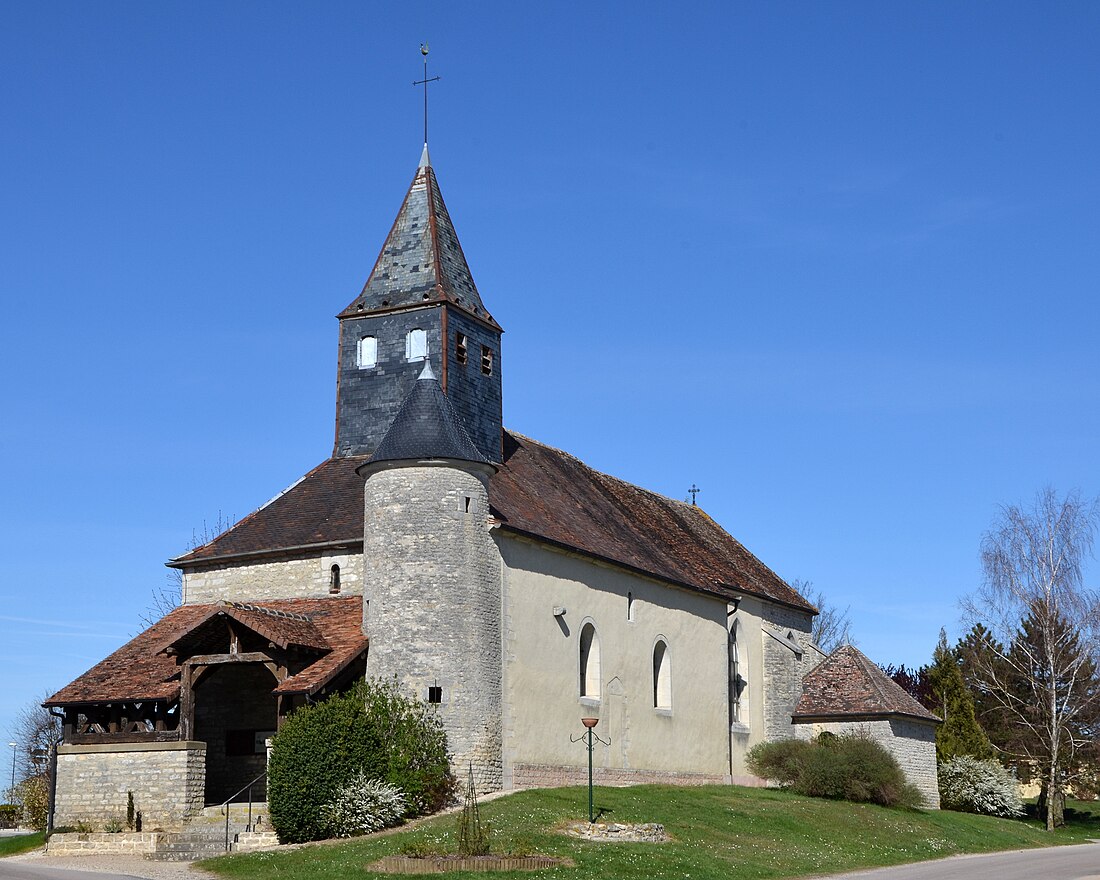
<point>168,597</point>
<point>832,627</point>
<point>1043,622</point>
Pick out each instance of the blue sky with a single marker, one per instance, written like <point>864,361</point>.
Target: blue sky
<point>836,263</point>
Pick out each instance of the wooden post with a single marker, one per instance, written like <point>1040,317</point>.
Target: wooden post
<point>187,702</point>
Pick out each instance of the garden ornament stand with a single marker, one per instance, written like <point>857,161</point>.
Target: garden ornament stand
<point>590,736</point>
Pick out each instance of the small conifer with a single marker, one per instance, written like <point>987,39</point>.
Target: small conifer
<point>960,734</point>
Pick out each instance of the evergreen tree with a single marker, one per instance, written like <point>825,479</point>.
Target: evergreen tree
<point>960,734</point>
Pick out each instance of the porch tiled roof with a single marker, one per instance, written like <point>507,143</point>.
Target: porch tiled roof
<point>141,670</point>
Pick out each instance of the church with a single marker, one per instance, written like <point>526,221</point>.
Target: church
<point>502,581</point>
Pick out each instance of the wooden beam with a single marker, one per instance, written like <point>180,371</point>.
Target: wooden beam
<point>187,703</point>
<point>211,659</point>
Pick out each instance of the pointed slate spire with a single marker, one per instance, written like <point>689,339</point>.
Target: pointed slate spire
<point>421,261</point>
<point>427,427</point>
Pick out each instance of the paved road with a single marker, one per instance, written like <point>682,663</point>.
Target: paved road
<point>1056,863</point>
<point>10,870</point>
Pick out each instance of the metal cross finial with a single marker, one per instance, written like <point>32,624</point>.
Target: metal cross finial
<point>694,490</point>
<point>424,82</point>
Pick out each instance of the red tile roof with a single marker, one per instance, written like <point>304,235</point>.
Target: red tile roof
<point>847,684</point>
<point>539,492</point>
<point>140,670</point>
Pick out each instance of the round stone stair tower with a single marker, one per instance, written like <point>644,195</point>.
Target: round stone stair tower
<point>432,595</point>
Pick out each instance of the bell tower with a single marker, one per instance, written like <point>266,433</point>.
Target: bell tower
<point>419,303</point>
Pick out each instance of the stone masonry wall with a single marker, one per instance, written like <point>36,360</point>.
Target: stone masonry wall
<point>167,780</point>
<point>278,578</point>
<point>911,742</point>
<point>432,608</point>
<point>784,668</point>
<point>553,775</point>
<point>100,843</point>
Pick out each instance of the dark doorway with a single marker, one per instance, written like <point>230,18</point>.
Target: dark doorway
<point>235,711</point>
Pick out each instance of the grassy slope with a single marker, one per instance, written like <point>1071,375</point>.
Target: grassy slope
<point>10,846</point>
<point>719,832</point>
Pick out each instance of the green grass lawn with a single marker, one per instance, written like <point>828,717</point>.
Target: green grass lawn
<point>10,846</point>
<point>718,832</point>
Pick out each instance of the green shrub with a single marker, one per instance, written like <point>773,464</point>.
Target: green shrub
<point>415,744</point>
<point>970,785</point>
<point>315,752</point>
<point>849,767</point>
<point>373,729</point>
<point>363,805</point>
<point>34,793</point>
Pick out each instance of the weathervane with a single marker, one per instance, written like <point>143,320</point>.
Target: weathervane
<point>424,82</point>
<point>694,490</point>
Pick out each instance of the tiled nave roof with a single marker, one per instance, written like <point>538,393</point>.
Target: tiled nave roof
<point>540,492</point>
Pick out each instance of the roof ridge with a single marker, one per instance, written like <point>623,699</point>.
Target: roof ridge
<point>608,476</point>
<point>270,612</point>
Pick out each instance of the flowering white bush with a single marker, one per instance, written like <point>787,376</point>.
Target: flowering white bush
<point>973,786</point>
<point>363,805</point>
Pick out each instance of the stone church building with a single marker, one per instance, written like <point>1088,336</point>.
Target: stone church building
<point>501,580</point>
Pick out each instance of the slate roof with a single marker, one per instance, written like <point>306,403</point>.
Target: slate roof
<point>421,260</point>
<point>427,426</point>
<point>141,670</point>
<point>539,492</point>
<point>847,684</point>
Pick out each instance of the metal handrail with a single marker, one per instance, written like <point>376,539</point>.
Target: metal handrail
<point>225,806</point>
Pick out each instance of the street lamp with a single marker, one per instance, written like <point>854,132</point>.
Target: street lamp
<point>11,793</point>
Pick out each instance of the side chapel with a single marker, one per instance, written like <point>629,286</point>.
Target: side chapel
<point>501,580</point>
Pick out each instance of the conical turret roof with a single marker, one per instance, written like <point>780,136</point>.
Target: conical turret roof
<point>421,261</point>
<point>426,427</point>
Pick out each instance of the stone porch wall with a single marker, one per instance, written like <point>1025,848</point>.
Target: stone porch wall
<point>98,843</point>
<point>167,780</point>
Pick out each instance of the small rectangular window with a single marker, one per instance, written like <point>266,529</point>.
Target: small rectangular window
<point>366,354</point>
<point>240,742</point>
<point>435,694</point>
<point>416,345</point>
<point>460,349</point>
<point>486,360</point>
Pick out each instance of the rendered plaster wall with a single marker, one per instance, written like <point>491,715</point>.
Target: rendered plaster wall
<point>432,604</point>
<point>771,671</point>
<point>911,742</point>
<point>167,780</point>
<point>280,578</point>
<point>543,705</point>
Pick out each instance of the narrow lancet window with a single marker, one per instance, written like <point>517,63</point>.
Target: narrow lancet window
<point>736,683</point>
<point>590,662</point>
<point>334,579</point>
<point>662,677</point>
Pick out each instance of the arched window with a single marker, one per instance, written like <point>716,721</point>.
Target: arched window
<point>590,662</point>
<point>737,680</point>
<point>662,676</point>
<point>366,353</point>
<point>416,345</point>
<point>334,579</point>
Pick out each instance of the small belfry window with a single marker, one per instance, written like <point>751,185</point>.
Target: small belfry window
<point>590,662</point>
<point>366,353</point>
<point>662,677</point>
<point>461,349</point>
<point>486,360</point>
<point>416,345</point>
<point>334,579</point>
